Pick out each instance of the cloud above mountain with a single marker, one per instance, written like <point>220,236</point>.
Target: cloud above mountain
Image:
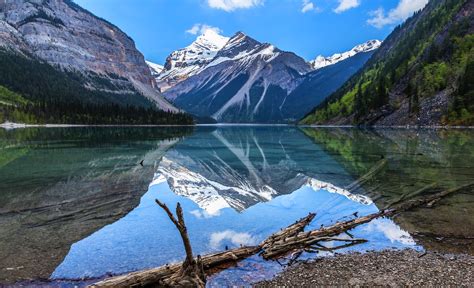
<point>231,5</point>
<point>404,9</point>
<point>345,5</point>
<point>307,6</point>
<point>198,29</point>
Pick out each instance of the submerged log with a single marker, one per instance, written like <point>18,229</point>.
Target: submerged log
<point>293,238</point>
<point>367,176</point>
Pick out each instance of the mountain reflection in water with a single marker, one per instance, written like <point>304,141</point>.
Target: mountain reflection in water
<point>237,186</point>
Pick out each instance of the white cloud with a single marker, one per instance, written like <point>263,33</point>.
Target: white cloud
<point>307,6</point>
<point>235,238</point>
<point>404,9</point>
<point>202,28</point>
<point>345,5</point>
<point>231,5</point>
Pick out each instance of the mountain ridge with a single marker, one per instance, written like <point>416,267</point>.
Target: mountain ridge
<point>322,61</point>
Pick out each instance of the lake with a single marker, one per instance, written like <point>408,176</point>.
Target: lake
<point>75,203</point>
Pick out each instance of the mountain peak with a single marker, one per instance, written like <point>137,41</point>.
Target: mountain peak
<point>186,62</point>
<point>322,61</point>
<point>210,40</point>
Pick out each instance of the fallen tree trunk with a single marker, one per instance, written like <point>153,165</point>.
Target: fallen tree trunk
<point>277,245</point>
<point>209,262</point>
<point>290,231</point>
<point>155,275</point>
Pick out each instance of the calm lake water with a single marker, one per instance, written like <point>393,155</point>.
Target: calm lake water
<point>75,203</point>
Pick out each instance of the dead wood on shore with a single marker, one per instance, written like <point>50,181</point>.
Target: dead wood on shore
<point>288,240</point>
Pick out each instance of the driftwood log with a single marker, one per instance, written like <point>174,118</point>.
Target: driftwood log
<point>291,239</point>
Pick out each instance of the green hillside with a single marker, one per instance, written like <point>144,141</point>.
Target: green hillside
<point>422,74</point>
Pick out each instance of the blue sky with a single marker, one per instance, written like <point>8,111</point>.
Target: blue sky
<point>306,27</point>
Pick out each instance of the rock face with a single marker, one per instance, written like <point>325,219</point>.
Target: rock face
<point>64,34</point>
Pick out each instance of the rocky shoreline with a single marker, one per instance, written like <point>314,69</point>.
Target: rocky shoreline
<point>387,268</point>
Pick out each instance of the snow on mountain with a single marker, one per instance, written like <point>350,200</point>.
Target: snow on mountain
<point>322,61</point>
<point>189,61</point>
<point>247,81</point>
<point>155,69</point>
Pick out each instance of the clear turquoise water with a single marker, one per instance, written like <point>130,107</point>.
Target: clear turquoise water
<point>237,185</point>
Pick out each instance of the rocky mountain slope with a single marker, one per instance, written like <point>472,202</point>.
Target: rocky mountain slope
<point>189,61</point>
<point>250,81</point>
<point>421,75</point>
<point>234,85</point>
<point>86,48</point>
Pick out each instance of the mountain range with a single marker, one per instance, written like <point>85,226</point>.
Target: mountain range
<point>240,79</point>
<point>59,63</point>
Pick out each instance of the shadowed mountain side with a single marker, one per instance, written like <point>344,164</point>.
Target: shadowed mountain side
<point>78,182</point>
<point>321,83</point>
<point>416,159</point>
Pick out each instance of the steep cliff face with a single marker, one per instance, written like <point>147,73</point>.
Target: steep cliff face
<point>68,36</point>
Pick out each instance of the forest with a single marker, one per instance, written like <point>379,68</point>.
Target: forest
<point>35,92</point>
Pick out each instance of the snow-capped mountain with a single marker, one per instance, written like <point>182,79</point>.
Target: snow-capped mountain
<point>183,63</point>
<point>155,69</point>
<point>246,81</point>
<point>322,61</point>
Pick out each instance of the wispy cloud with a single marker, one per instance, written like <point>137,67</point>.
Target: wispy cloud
<point>404,9</point>
<point>307,6</point>
<point>231,5</point>
<point>345,5</point>
<point>202,28</point>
